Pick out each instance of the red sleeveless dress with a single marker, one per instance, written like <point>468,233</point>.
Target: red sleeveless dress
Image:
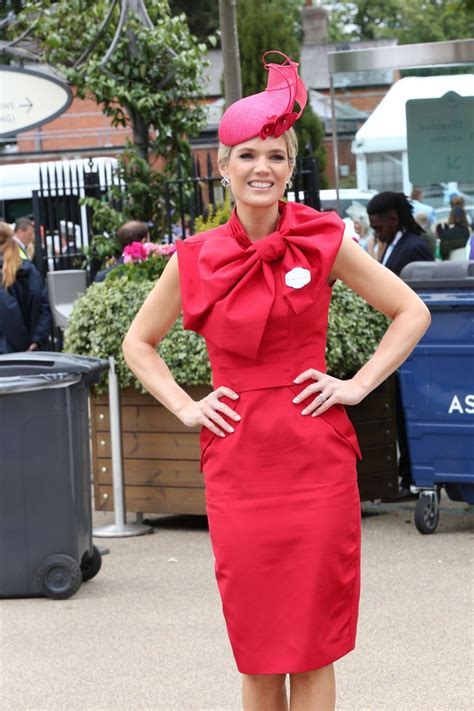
<point>281,491</point>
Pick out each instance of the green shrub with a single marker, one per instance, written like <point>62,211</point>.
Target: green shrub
<point>354,331</point>
<point>102,316</point>
<point>218,215</point>
<point>148,271</point>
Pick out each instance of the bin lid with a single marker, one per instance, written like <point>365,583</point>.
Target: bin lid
<point>29,383</point>
<point>44,363</point>
<point>439,275</point>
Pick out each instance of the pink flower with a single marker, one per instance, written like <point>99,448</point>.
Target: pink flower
<point>166,249</point>
<point>150,248</point>
<point>162,250</point>
<point>141,251</point>
<point>135,251</point>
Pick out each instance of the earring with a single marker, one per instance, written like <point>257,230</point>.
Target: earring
<point>289,183</point>
<point>225,181</point>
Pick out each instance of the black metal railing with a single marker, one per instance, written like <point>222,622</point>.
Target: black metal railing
<point>63,225</point>
<point>188,197</point>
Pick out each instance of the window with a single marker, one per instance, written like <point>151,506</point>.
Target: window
<point>384,171</point>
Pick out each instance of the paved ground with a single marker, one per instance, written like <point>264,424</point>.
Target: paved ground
<point>148,633</point>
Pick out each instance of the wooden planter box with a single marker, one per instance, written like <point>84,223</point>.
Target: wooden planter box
<point>375,422</point>
<point>161,455</point>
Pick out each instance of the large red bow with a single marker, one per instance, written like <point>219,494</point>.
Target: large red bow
<point>230,301</point>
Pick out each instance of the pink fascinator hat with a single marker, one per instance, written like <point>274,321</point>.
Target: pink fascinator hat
<point>269,113</point>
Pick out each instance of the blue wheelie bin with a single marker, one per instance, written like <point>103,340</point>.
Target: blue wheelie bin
<point>437,389</point>
<point>45,474</point>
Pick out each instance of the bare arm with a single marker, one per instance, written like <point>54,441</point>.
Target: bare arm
<point>387,293</point>
<point>152,323</point>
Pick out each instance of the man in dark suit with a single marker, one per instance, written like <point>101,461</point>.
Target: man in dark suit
<point>391,218</point>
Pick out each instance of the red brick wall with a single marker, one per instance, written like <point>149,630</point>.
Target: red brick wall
<point>346,157</point>
<point>201,155</point>
<point>82,126</point>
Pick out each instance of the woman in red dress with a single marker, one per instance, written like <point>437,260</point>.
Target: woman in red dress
<point>278,450</point>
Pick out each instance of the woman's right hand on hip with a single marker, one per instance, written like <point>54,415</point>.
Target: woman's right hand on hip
<point>206,412</point>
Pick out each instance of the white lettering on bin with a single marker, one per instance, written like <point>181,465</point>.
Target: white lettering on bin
<point>457,406</point>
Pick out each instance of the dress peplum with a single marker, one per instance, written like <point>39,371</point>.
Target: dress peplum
<point>281,491</point>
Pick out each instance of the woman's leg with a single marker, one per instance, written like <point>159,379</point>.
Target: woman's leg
<point>264,692</point>
<point>314,690</point>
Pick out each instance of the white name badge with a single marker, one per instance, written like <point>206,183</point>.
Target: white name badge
<point>297,277</point>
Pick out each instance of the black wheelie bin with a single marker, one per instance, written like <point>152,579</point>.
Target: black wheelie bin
<point>45,474</point>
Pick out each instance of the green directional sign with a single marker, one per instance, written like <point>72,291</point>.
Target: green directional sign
<point>440,139</point>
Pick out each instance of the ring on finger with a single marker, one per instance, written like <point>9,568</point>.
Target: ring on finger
<point>322,397</point>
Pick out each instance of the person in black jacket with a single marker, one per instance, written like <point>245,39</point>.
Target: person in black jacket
<point>25,317</point>
<point>391,218</point>
<point>455,233</point>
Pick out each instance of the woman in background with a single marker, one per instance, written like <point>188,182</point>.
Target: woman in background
<point>367,240</point>
<point>25,317</point>
<point>455,233</point>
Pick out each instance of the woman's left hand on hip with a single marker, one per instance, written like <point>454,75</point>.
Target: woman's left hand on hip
<point>329,391</point>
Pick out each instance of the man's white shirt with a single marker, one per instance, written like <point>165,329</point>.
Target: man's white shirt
<point>391,247</point>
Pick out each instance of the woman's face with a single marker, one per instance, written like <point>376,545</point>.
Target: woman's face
<point>258,171</point>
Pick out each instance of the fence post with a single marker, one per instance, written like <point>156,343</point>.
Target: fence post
<point>311,180</point>
<point>120,528</point>
<point>180,183</point>
<point>168,209</point>
<point>210,181</point>
<point>41,258</point>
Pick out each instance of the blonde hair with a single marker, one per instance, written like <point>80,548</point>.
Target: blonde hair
<point>11,255</point>
<point>223,153</point>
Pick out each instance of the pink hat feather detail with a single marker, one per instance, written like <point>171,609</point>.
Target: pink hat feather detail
<point>270,112</point>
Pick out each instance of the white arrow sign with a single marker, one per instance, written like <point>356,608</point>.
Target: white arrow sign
<point>29,99</point>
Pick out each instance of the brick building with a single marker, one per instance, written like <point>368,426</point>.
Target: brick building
<point>83,130</point>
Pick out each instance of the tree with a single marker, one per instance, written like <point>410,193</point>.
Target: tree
<point>151,80</point>
<point>202,16</point>
<point>408,21</point>
<point>268,24</point>
<point>274,24</point>
<point>230,51</point>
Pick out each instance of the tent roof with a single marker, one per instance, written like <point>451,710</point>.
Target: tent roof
<point>386,127</point>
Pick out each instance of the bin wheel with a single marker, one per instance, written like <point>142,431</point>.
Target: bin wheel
<point>59,577</point>
<point>427,513</point>
<point>91,564</point>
